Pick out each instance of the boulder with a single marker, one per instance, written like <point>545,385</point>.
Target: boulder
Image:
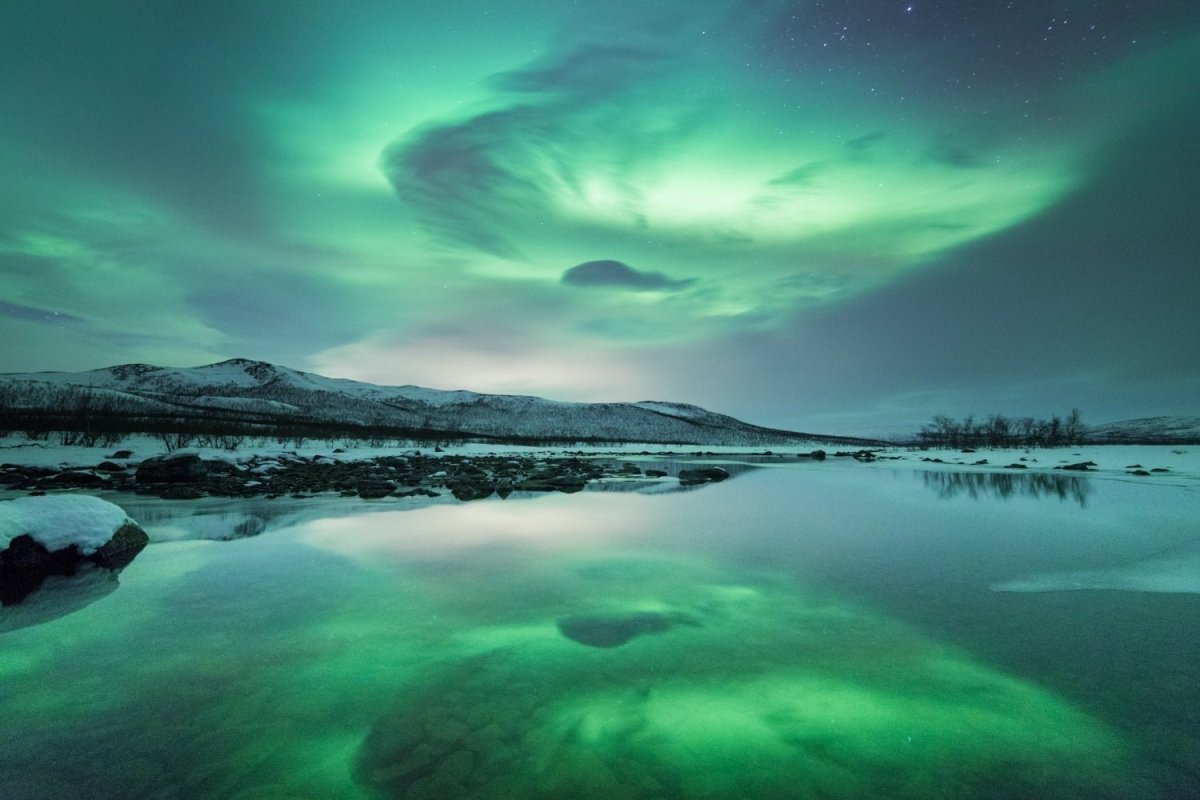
<point>59,535</point>
<point>173,468</point>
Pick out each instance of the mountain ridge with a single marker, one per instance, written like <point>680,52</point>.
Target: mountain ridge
<point>253,394</point>
<point>1143,430</point>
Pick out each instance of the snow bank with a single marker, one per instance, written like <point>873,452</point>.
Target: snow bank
<point>1172,464</point>
<point>58,521</point>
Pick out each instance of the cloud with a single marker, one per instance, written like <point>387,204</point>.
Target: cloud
<point>464,180</point>
<point>589,69</point>
<point>861,147</point>
<point>617,274</point>
<point>501,359</point>
<point>498,177</point>
<point>953,154</point>
<point>27,313</point>
<point>803,176</point>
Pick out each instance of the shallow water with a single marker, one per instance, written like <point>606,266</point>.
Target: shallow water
<point>811,630</point>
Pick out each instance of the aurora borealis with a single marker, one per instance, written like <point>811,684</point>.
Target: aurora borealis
<point>827,216</point>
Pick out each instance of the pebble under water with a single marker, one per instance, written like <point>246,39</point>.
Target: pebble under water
<point>807,631</point>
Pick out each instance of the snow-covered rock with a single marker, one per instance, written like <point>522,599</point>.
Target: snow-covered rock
<point>58,535</point>
<point>59,521</point>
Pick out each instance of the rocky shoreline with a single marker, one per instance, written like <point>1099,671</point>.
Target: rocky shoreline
<point>188,476</point>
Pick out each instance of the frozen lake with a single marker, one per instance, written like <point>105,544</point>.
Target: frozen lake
<point>802,631</point>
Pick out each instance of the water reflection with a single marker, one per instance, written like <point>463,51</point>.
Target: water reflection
<point>49,598</point>
<point>1006,485</point>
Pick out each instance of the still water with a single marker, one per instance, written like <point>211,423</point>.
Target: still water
<point>808,631</point>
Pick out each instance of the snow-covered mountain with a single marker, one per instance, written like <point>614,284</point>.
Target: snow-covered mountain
<point>1148,430</point>
<point>241,391</point>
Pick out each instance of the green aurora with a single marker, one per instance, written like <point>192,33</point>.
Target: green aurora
<point>396,191</point>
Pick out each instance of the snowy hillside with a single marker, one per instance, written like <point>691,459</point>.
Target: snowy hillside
<point>240,393</point>
<point>1148,430</point>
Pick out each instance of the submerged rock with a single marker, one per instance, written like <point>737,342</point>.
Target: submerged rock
<point>614,630</point>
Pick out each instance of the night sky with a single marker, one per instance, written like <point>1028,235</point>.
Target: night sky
<point>831,216</point>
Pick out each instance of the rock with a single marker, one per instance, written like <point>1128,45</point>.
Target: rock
<point>1140,472</point>
<point>109,466</point>
<point>25,554</point>
<point>75,480</point>
<point>121,454</point>
<point>1082,466</point>
<point>181,492</point>
<point>817,455</point>
<point>1016,465</point>
<point>692,477</point>
<point>185,468</point>
<point>122,548</point>
<point>655,473</point>
<point>466,490</point>
<point>568,483</point>
<point>1160,469</point>
<point>60,536</point>
<point>373,489</point>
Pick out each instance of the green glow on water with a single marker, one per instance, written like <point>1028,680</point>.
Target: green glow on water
<point>417,655</point>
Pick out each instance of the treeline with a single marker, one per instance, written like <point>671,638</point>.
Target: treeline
<point>74,416</point>
<point>997,430</point>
